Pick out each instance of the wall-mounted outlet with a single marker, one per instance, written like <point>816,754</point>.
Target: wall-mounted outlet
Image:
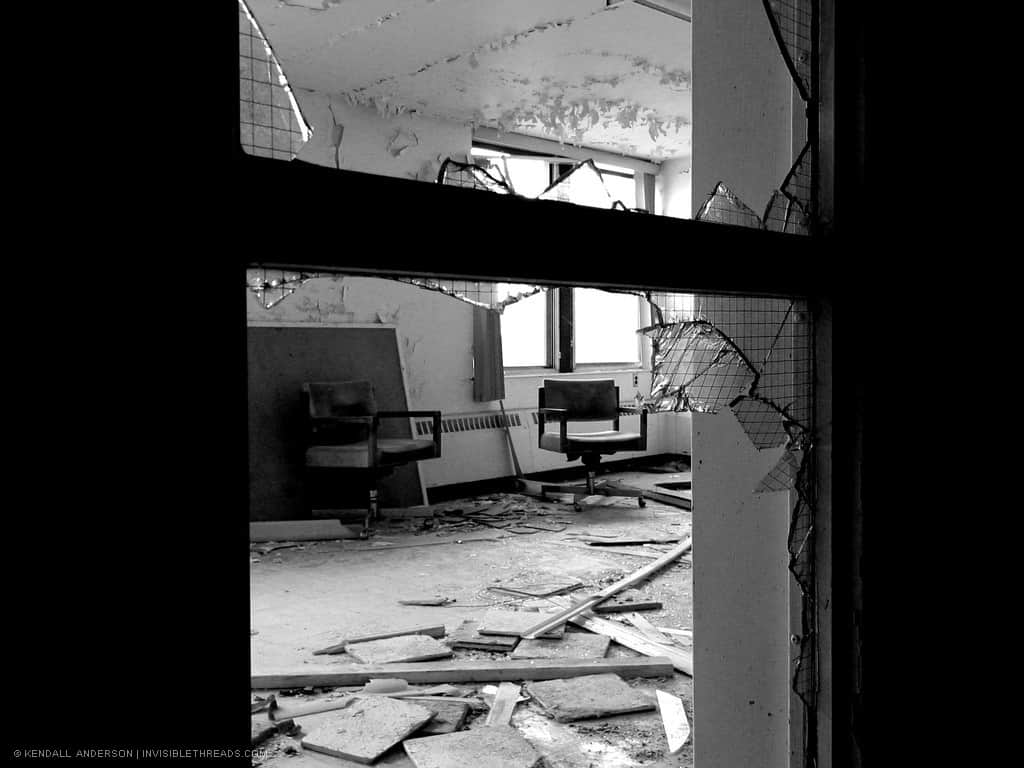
<point>636,380</point>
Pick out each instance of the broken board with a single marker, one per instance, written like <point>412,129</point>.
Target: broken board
<point>436,631</point>
<point>406,648</point>
<point>367,729</point>
<point>499,746</point>
<point>469,671</point>
<point>574,645</point>
<point>503,705</point>
<point>467,636</point>
<point>515,623</point>
<point>622,606</point>
<point>580,698</point>
<point>673,717</point>
<point>448,716</point>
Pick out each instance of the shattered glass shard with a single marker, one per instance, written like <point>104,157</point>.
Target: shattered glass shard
<point>582,184</point>
<point>458,174</point>
<point>695,368</point>
<point>723,207</point>
<point>782,477</point>
<point>763,421</point>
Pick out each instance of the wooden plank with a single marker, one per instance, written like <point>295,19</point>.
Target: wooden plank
<point>435,631</point>
<point>503,705</point>
<point>407,648</point>
<point>367,729</point>
<point>318,707</point>
<point>629,542</point>
<point>673,717</point>
<point>646,629</point>
<point>470,671</point>
<point>681,659</point>
<point>670,631</point>
<point>611,606</point>
<point>634,578</point>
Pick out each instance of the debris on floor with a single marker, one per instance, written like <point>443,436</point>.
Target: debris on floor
<point>503,704</point>
<point>673,715</point>
<point>428,601</point>
<point>514,624</point>
<point>367,729</point>
<point>601,687</point>
<point>494,747</point>
<point>591,696</point>
<point>578,645</point>
<point>398,649</point>
<point>467,635</point>
<point>432,631</point>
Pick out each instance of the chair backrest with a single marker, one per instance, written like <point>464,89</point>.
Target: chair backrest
<point>340,398</point>
<point>584,399</point>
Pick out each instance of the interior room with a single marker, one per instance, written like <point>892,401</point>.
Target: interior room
<point>576,474</point>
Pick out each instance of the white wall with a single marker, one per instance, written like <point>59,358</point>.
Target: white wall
<point>742,103</point>
<point>372,142</point>
<point>675,188</point>
<point>741,592</point>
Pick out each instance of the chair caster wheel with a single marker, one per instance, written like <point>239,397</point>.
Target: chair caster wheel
<point>640,500</point>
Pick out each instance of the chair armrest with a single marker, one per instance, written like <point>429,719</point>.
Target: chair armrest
<point>318,420</point>
<point>563,423</point>
<point>435,427</point>
<point>558,413</point>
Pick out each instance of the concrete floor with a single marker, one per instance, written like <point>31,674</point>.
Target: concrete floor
<point>307,598</point>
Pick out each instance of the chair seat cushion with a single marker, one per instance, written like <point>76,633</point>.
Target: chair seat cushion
<point>355,455</point>
<point>607,441</point>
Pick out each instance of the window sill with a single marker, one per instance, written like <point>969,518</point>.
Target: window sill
<point>583,371</point>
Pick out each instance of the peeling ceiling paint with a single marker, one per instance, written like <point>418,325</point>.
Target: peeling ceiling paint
<point>615,78</point>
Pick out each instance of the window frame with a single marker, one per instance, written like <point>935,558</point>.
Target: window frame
<point>560,339</point>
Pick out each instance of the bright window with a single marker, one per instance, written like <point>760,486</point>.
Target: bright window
<point>605,326</point>
<point>604,329</point>
<point>524,332</point>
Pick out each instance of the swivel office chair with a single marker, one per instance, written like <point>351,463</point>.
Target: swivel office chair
<point>344,425</point>
<point>567,400</point>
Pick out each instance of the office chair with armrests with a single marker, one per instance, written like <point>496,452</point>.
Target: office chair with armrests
<point>344,426</point>
<point>568,400</point>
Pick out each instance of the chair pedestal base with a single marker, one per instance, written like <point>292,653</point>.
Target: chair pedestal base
<point>593,488</point>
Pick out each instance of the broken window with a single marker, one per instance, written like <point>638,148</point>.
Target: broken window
<point>270,122</point>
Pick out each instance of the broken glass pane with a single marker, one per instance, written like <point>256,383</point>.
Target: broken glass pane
<point>582,185</point>
<point>458,174</point>
<point>763,421</point>
<point>782,477</point>
<point>274,286</point>
<point>270,122</point>
<point>723,207</point>
<point>481,294</point>
<point>695,367</point>
<point>791,25</point>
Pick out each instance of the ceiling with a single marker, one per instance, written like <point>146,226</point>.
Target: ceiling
<point>614,78</point>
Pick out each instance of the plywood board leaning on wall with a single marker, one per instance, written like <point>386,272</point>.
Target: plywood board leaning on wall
<point>281,358</point>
